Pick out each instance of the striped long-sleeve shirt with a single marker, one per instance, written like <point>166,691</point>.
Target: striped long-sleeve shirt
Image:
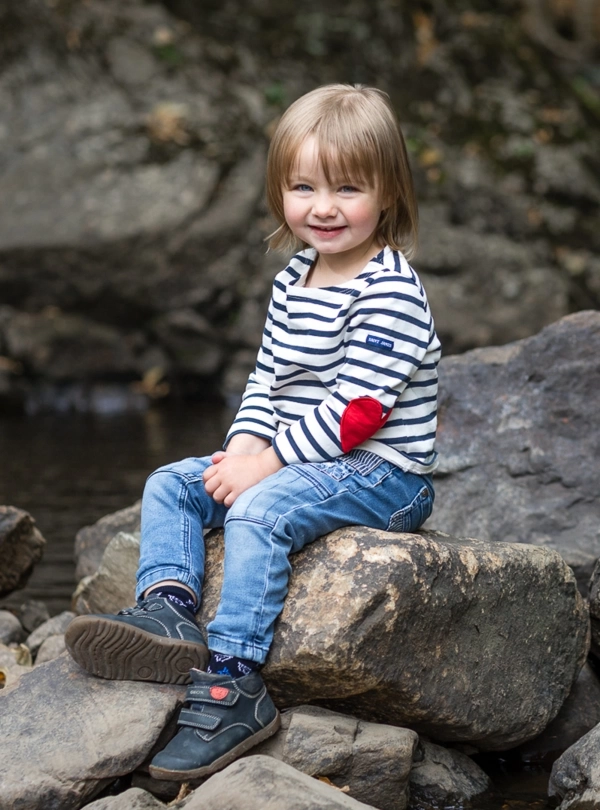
<point>348,366</point>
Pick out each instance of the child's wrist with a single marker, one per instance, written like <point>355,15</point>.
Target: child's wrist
<point>270,460</point>
<point>247,444</point>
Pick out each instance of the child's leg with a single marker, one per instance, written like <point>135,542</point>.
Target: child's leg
<point>228,715</point>
<point>158,639</point>
<point>281,515</point>
<point>175,511</point>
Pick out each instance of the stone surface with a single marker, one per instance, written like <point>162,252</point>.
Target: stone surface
<point>91,541</point>
<point>133,799</point>
<point>83,733</point>
<point>51,648</point>
<point>372,760</point>
<point>32,614</point>
<point>64,347</point>
<point>10,628</point>
<point>112,587</point>
<point>416,630</point>
<point>594,597</point>
<point>12,667</point>
<point>578,715</point>
<point>264,783</point>
<point>21,547</point>
<point>575,776</point>
<point>54,626</point>
<point>441,777</point>
<point>519,441</point>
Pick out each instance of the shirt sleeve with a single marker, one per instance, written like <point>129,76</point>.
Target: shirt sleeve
<point>388,335</point>
<point>256,414</point>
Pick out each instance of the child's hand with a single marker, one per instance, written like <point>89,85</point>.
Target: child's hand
<point>233,474</point>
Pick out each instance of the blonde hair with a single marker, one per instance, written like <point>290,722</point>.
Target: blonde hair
<point>357,136</point>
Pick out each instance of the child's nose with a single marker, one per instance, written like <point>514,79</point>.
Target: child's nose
<point>324,205</point>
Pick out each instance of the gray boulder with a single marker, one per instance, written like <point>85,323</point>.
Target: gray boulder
<point>10,628</point>
<point>372,761</point>
<point>519,442</point>
<point>64,347</point>
<point>470,269</point>
<point>441,778</point>
<point>594,597</point>
<point>51,648</point>
<point>91,541</point>
<point>133,799</point>
<point>579,714</point>
<point>112,587</point>
<point>264,783</point>
<point>416,630</point>
<point>72,734</point>
<point>32,614</point>
<point>21,547</point>
<point>575,776</point>
<point>53,627</point>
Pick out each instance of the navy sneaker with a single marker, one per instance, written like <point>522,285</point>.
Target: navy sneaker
<point>157,640</point>
<point>226,718</point>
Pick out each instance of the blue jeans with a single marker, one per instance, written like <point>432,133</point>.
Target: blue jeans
<point>266,524</point>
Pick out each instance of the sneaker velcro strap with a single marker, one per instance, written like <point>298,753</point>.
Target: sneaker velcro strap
<point>188,717</point>
<point>216,695</point>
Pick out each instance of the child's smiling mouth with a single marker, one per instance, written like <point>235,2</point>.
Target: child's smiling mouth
<point>324,230</point>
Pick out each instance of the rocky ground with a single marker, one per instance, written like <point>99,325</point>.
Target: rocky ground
<point>398,658</point>
<point>133,141</point>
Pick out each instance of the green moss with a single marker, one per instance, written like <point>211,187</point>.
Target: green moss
<point>275,94</point>
<point>170,54</point>
<point>587,95</point>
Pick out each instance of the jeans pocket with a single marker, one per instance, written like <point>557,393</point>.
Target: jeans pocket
<point>411,517</point>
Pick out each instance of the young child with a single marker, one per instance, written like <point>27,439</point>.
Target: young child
<point>336,427</point>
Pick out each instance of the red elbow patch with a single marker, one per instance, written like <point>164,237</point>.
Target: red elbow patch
<point>362,418</point>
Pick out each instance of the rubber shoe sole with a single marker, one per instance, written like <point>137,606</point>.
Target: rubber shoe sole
<point>222,761</point>
<point>122,652</point>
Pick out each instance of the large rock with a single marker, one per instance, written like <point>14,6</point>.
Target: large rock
<point>133,799</point>
<point>21,547</point>
<point>417,630</point>
<point>67,734</point>
<point>372,761</point>
<point>51,648</point>
<point>264,783</point>
<point>55,626</point>
<point>10,628</point>
<point>91,541</point>
<point>575,775</point>
<point>63,347</point>
<point>443,778</point>
<point>579,714</point>
<point>112,587</point>
<point>594,597</point>
<point>519,442</point>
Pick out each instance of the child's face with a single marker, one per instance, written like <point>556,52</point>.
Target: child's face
<point>336,218</point>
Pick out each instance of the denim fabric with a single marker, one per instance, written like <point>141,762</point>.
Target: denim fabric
<point>266,524</point>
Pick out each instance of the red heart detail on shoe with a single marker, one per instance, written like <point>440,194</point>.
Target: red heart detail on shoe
<point>218,692</point>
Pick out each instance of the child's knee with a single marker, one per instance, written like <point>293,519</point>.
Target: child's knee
<point>186,471</point>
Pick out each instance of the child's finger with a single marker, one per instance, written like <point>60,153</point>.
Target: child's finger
<point>208,473</point>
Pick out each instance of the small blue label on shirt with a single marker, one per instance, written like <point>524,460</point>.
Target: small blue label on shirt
<point>379,343</point>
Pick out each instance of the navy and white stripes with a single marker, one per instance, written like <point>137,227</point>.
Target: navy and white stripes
<point>323,348</point>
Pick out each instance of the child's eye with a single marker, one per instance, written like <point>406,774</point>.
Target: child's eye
<point>302,187</point>
<point>348,189</point>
